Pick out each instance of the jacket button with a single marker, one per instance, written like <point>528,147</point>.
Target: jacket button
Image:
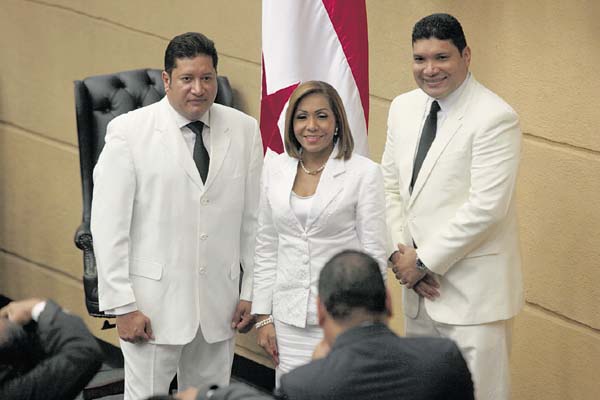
<point>204,236</point>
<point>204,201</point>
<point>201,270</point>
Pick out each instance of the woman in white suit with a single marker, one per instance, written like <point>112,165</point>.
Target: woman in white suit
<point>317,199</point>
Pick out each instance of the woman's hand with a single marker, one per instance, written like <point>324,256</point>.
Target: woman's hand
<point>267,340</point>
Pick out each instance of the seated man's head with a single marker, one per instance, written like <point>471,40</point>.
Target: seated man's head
<point>351,292</point>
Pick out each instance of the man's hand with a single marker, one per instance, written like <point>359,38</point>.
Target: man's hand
<point>267,340</point>
<point>242,319</point>
<point>428,287</point>
<point>405,266</point>
<point>188,394</point>
<point>134,327</point>
<point>19,312</point>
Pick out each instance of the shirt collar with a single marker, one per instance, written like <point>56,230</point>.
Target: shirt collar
<point>449,102</point>
<point>182,121</point>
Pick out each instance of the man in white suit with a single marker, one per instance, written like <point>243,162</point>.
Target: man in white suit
<point>450,167</point>
<point>173,216</point>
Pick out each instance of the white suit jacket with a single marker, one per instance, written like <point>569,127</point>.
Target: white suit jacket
<point>165,240</point>
<point>348,212</point>
<point>461,213</point>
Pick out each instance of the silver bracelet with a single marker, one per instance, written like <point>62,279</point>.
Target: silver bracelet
<point>264,322</point>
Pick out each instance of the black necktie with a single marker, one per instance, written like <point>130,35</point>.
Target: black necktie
<point>201,157</point>
<point>427,136</point>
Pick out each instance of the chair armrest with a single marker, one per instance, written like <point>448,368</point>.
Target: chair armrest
<point>83,237</point>
<point>83,240</point>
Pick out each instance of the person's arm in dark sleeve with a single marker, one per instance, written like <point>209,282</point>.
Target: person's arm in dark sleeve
<point>235,391</point>
<point>72,357</point>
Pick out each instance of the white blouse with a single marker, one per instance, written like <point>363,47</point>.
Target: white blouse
<point>301,207</point>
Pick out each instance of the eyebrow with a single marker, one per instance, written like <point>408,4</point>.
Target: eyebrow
<point>441,53</point>
<point>319,110</point>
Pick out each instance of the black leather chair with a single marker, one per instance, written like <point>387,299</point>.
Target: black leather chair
<point>99,99</point>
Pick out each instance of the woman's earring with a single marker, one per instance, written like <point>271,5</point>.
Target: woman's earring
<point>336,131</point>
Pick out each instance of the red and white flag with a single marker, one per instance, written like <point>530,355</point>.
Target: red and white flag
<point>322,40</point>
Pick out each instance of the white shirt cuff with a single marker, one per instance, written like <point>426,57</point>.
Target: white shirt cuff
<point>126,309</point>
<point>37,310</point>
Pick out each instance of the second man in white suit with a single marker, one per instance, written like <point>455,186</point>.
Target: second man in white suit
<point>450,168</point>
<point>173,216</point>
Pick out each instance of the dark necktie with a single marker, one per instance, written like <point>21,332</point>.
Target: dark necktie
<point>201,157</point>
<point>427,136</point>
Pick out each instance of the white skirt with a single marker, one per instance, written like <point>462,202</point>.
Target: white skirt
<point>295,346</point>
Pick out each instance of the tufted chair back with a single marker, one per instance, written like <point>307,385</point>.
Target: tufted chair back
<point>99,99</point>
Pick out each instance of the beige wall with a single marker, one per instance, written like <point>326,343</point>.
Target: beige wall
<point>541,56</point>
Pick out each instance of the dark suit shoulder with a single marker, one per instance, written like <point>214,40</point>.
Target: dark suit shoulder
<point>443,372</point>
<point>384,366</point>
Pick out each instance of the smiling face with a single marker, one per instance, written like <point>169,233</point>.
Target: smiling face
<point>314,125</point>
<point>192,86</point>
<point>438,67</point>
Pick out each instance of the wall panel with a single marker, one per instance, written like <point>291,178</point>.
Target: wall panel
<point>559,200</point>
<point>553,358</point>
<point>41,200</point>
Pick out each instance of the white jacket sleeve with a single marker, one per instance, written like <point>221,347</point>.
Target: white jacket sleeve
<point>370,217</point>
<point>265,260</point>
<point>393,196</point>
<point>249,218</point>
<point>112,205</point>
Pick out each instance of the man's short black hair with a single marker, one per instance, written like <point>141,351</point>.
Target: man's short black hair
<point>15,343</point>
<point>351,281</point>
<point>442,27</point>
<point>189,45</point>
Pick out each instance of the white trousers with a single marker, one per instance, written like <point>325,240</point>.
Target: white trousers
<point>150,368</point>
<point>295,346</point>
<point>485,347</point>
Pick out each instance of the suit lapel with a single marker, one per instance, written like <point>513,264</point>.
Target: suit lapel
<point>171,136</point>
<point>283,184</point>
<point>442,139</point>
<point>330,184</point>
<point>220,140</point>
<point>408,148</point>
<point>444,135</point>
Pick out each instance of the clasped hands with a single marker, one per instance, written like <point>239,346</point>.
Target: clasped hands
<point>405,269</point>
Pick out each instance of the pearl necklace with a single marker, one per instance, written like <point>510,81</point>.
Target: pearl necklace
<point>309,172</point>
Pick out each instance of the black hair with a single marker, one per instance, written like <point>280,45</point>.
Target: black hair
<point>189,45</point>
<point>350,281</point>
<point>442,27</point>
<point>17,344</point>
